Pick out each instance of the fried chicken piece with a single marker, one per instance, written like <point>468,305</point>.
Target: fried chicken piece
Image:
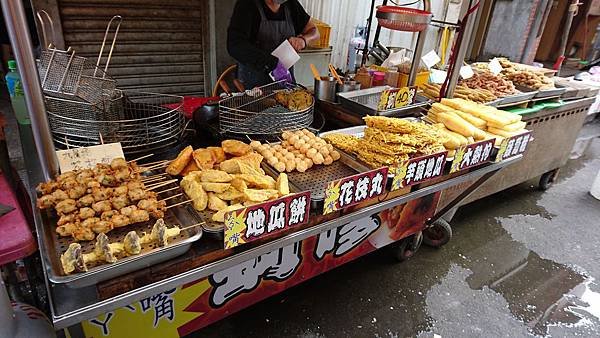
<point>123,174</point>
<point>139,216</point>
<point>235,147</point>
<point>215,203</point>
<point>120,190</point>
<point>101,226</point>
<point>102,206</point>
<point>65,176</point>
<point>68,184</point>
<point>120,221</point>
<point>83,234</point>
<point>46,188</point>
<point>131,185</point>
<point>84,176</point>
<point>59,195</point>
<point>45,201</point>
<point>85,213</point>
<point>93,184</point>
<point>136,194</point>
<point>108,215</point>
<point>118,163</point>
<point>218,154</point>
<point>108,179</point>
<point>120,201</point>
<point>129,209</point>
<point>215,176</point>
<point>177,165</point>
<point>66,206</point>
<point>67,229</point>
<point>70,218</point>
<point>85,201</point>
<point>77,191</point>
<point>203,158</point>
<point>102,194</point>
<point>215,187</point>
<point>88,223</point>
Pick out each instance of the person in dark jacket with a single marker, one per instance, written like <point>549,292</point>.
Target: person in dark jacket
<point>256,28</point>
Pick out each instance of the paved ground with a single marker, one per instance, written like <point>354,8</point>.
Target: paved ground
<point>521,263</point>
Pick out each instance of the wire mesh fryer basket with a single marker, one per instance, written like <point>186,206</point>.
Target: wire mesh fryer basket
<point>149,121</point>
<point>257,112</point>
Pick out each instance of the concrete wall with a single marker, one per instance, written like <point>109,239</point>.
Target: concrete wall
<point>509,28</point>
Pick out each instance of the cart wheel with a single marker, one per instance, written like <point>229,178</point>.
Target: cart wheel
<point>438,234</point>
<point>408,247</point>
<point>547,179</point>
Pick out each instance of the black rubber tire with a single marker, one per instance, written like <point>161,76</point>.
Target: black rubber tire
<point>438,234</point>
<point>408,247</point>
<point>547,180</point>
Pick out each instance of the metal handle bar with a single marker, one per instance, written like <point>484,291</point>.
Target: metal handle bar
<point>112,46</point>
<point>43,26</point>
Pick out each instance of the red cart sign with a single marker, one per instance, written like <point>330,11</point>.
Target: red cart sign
<point>472,155</point>
<point>513,146</point>
<point>355,189</point>
<point>265,219</point>
<point>418,170</point>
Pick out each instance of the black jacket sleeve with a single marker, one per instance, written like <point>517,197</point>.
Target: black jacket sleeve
<point>240,44</point>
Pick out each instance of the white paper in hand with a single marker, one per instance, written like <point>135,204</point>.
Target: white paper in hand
<point>466,72</point>
<point>431,59</point>
<point>495,66</point>
<point>286,54</point>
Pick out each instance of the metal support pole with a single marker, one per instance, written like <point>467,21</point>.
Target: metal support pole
<point>464,46</point>
<point>369,24</point>
<point>416,61</point>
<point>566,30</point>
<point>18,31</point>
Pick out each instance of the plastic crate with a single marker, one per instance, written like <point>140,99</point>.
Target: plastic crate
<point>324,32</point>
<point>422,78</point>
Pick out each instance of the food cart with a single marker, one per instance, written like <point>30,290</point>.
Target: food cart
<point>207,272</point>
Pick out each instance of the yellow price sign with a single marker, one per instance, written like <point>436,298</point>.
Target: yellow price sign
<point>396,98</point>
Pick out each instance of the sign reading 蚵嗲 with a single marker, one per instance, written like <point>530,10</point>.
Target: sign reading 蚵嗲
<point>513,146</point>
<point>418,170</point>
<point>355,189</point>
<point>472,155</point>
<point>265,219</point>
<point>396,98</point>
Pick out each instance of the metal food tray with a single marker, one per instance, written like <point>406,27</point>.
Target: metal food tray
<point>151,254</point>
<point>548,93</point>
<point>364,101</point>
<point>572,93</point>
<point>524,95</point>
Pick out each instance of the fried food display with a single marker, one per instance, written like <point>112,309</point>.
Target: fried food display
<point>388,141</point>
<point>461,120</point>
<point>239,182</point>
<point>177,165</point>
<point>525,77</point>
<point>98,200</point>
<point>298,151</point>
<point>344,142</point>
<point>294,100</point>
<point>74,260</point>
<point>475,93</point>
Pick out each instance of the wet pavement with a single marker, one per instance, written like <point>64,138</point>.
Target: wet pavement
<point>521,263</point>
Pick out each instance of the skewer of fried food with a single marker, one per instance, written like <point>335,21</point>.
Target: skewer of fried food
<point>140,158</point>
<point>180,203</point>
<point>192,226</point>
<point>153,178</point>
<point>158,185</point>
<point>163,191</point>
<point>154,166</point>
<point>170,197</point>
